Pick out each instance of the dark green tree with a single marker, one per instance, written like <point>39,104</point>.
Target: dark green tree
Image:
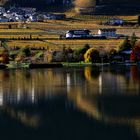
<point>79,54</point>
<point>26,51</point>
<point>133,39</point>
<point>4,44</point>
<point>125,45</point>
<point>84,49</point>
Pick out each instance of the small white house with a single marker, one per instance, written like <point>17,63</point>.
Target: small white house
<point>109,32</point>
<point>116,21</point>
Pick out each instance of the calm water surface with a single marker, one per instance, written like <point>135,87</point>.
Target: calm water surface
<point>70,104</point>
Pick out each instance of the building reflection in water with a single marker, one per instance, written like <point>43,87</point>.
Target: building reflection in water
<point>98,92</point>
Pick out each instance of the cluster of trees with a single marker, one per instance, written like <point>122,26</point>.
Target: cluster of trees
<point>128,44</point>
<point>20,54</point>
<point>86,54</point>
<point>93,55</point>
<point>70,55</point>
<point>133,45</point>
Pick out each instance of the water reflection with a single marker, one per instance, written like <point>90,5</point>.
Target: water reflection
<point>73,103</point>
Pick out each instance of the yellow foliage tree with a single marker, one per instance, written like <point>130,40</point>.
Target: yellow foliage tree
<point>92,55</point>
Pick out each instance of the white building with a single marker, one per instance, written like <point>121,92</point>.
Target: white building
<point>78,34</point>
<point>109,32</point>
<point>115,21</point>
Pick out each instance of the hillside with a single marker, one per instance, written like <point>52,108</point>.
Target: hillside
<point>24,3</point>
<point>117,9</point>
<point>104,2</point>
<point>45,5</point>
<point>106,7</point>
<point>3,2</point>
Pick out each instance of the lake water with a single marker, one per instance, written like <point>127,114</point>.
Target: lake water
<point>88,103</point>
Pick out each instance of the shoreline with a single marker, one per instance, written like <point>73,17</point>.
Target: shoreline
<point>60,65</point>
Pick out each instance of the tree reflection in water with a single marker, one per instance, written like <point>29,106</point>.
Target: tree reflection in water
<point>68,104</point>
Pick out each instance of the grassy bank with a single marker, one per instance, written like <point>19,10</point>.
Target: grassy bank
<point>76,64</point>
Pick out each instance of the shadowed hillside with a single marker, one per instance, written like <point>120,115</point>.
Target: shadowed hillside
<point>47,5</point>
<point>118,2</point>
<point>103,7</point>
<point>24,3</point>
<point>2,2</point>
<point>117,9</point>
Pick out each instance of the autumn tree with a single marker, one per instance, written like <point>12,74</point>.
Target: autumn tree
<point>135,55</point>
<point>92,55</point>
<point>5,52</point>
<point>4,56</point>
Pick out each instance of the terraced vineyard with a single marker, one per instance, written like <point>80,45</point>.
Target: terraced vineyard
<point>46,34</point>
<point>74,44</point>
